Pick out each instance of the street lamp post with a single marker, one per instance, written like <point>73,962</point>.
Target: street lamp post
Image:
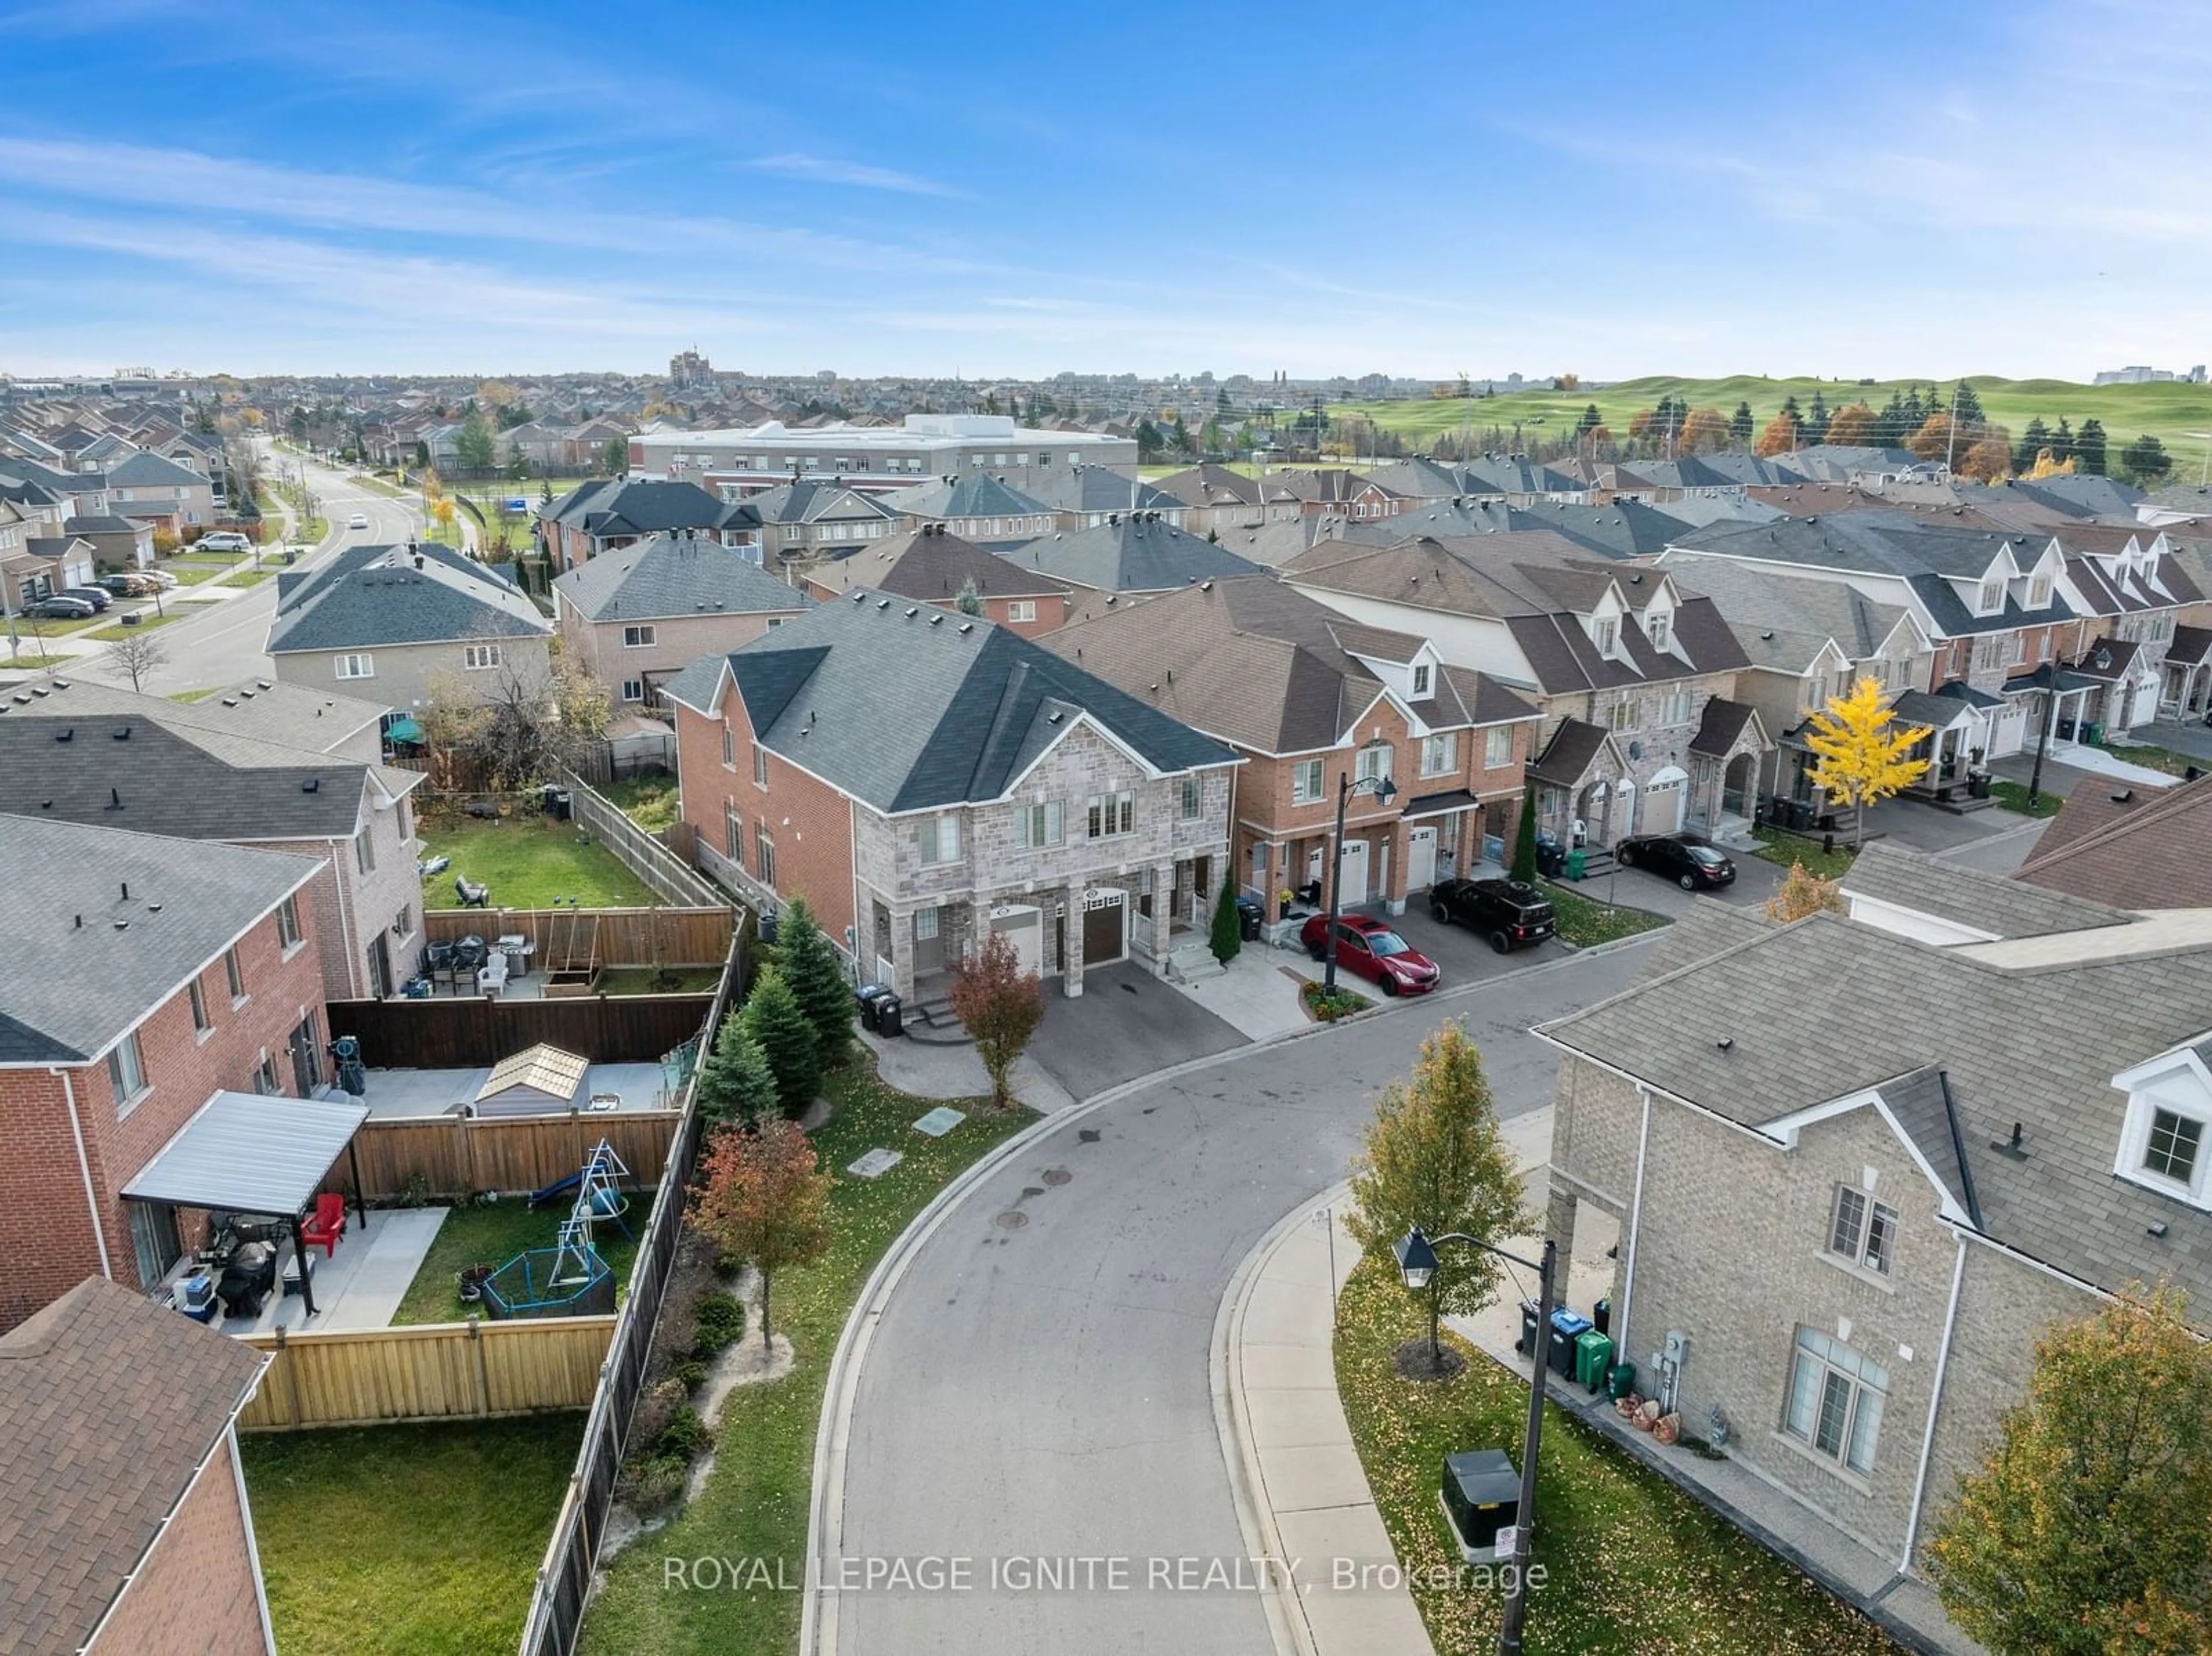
<point>1416,1265</point>
<point>1384,790</point>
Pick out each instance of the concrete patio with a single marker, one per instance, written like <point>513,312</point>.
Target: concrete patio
<point>393,1093</point>
<point>358,1287</point>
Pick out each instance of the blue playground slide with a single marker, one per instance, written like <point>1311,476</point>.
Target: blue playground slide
<point>558,1187</point>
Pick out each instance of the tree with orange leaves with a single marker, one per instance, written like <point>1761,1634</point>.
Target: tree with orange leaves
<point>763,1197</point>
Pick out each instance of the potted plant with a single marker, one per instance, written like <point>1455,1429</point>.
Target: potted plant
<point>1283,898</point>
<point>473,1279</point>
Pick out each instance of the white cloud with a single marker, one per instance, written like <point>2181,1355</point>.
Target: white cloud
<point>823,169</point>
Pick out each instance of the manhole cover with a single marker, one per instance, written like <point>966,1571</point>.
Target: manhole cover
<point>1011,1220</point>
<point>1058,1176</point>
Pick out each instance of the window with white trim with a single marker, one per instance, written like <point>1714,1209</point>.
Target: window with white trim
<point>939,838</point>
<point>1991,598</point>
<point>639,638</point>
<point>201,1020</point>
<point>1040,824</point>
<point>2171,1149</point>
<point>364,853</point>
<point>1658,627</point>
<point>288,920</point>
<point>760,766</point>
<point>1306,781</point>
<point>1836,1396</point>
<point>1861,1231</point>
<point>1106,815</point>
<point>1192,799</point>
<point>729,748</point>
<point>763,854</point>
<point>1021,609</point>
<point>1420,678</point>
<point>733,833</point>
<point>359,664</point>
<point>126,1073</point>
<point>1624,714</point>
<point>2038,592</point>
<point>235,972</point>
<point>480,658</point>
<point>1439,753</point>
<point>925,925</point>
<point>1374,762</point>
<point>1601,631</point>
<point>1497,746</point>
<point>633,689</point>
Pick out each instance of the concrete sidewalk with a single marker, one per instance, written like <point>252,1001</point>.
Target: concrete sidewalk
<point>929,1070</point>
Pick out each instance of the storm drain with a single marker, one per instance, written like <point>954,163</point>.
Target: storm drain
<point>1057,1176</point>
<point>1011,1220</point>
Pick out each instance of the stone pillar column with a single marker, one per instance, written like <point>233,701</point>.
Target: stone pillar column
<point>1071,981</point>
<point>1156,944</point>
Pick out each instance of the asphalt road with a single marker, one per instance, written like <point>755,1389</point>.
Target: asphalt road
<point>222,643</point>
<point>1040,1386</point>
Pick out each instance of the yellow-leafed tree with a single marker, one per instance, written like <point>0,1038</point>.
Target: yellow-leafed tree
<point>1802,894</point>
<point>1863,751</point>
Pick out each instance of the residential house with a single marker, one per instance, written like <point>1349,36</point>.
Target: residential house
<point>1084,496</point>
<point>935,567</point>
<point>2129,847</point>
<point>394,621</point>
<point>36,562</point>
<point>976,507</point>
<point>596,518</point>
<point>1636,679</point>
<point>2124,580</point>
<point>93,754</point>
<point>1219,498</point>
<point>127,1530</point>
<point>1128,558</point>
<point>641,614</point>
<point>148,973</point>
<point>116,543</point>
<point>1339,492</point>
<point>920,776</point>
<point>874,457</point>
<point>807,520</point>
<point>1856,1174</point>
<point>159,491</point>
<point>1310,698</point>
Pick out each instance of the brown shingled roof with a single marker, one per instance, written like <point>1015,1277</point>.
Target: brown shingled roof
<point>2128,847</point>
<point>933,568</point>
<point>108,1405</point>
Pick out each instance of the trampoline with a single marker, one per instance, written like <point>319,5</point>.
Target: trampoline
<point>551,1282</point>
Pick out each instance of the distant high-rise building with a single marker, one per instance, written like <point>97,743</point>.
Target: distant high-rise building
<point>687,369</point>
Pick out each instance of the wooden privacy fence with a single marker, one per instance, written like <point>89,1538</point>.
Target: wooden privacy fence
<point>441,1371</point>
<point>462,1032</point>
<point>644,855</point>
<point>458,1156</point>
<point>571,939</point>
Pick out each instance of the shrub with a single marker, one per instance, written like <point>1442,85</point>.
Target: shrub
<point>685,1435</point>
<point>688,1371</point>
<point>656,1406</point>
<point>651,1483</point>
<point>1228,939</point>
<point>721,1321</point>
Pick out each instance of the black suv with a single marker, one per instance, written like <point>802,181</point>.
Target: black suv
<point>1515,915</point>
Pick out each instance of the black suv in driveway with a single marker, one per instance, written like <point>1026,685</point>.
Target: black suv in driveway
<point>1688,861</point>
<point>1514,915</point>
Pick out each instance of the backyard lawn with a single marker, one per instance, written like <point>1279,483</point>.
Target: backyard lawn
<point>495,1233</point>
<point>418,1538</point>
<point>650,802</point>
<point>755,1504</point>
<point>1776,847</point>
<point>1633,1566</point>
<point>528,861</point>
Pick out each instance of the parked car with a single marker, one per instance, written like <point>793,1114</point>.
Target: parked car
<point>359,521</point>
<point>1688,861</point>
<point>58,608</point>
<point>1511,914</point>
<point>1374,951</point>
<point>160,578</point>
<point>126,587</point>
<point>223,540</point>
<point>98,597</point>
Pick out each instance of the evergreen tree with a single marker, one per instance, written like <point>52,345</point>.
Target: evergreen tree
<point>735,1083</point>
<point>811,966</point>
<point>1149,441</point>
<point>1816,421</point>
<point>968,602</point>
<point>2089,448</point>
<point>1591,421</point>
<point>1967,409</point>
<point>2032,441</point>
<point>1524,840</point>
<point>2146,461</point>
<point>774,1019</point>
<point>1182,436</point>
<point>1228,939</point>
<point>1741,425</point>
<point>2061,442</point>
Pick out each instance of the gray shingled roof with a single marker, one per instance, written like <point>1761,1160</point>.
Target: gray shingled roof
<point>909,708</point>
<point>1822,1009</point>
<point>74,976</point>
<point>1144,556</point>
<point>645,506</point>
<point>933,566</point>
<point>665,576</point>
<point>1987,902</point>
<point>294,716</point>
<point>977,495</point>
<point>108,1405</point>
<point>368,597</point>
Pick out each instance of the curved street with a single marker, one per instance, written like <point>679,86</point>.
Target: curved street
<point>1038,1382</point>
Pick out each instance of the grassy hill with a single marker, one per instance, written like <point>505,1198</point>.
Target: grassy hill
<point>2167,411</point>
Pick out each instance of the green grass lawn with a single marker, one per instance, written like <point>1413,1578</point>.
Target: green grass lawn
<point>110,633</point>
<point>2012,796</point>
<point>528,861</point>
<point>2150,758</point>
<point>1778,847</point>
<point>1584,921</point>
<point>493,1234</point>
<point>1633,1566</point>
<point>423,1539</point>
<point>251,577</point>
<point>755,1502</point>
<point>191,574</point>
<point>650,802</point>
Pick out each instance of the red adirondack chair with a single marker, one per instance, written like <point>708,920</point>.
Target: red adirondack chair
<point>327,1223</point>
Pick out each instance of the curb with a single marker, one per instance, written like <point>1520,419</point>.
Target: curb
<point>825,1515</point>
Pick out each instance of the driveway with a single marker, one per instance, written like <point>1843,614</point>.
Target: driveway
<point>1126,1023</point>
<point>1038,1384</point>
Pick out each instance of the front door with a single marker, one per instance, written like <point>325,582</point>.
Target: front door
<point>307,1057</point>
<point>1420,859</point>
<point>928,944</point>
<point>1104,932</point>
<point>1353,889</point>
<point>380,968</point>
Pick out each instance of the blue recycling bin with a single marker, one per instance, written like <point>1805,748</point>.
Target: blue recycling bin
<point>1567,1327</point>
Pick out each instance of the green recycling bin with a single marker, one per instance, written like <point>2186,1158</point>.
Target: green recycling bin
<point>1621,1382</point>
<point>1593,1360</point>
<point>1577,859</point>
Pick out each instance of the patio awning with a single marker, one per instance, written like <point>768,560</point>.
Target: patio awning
<point>245,1153</point>
<point>1439,804</point>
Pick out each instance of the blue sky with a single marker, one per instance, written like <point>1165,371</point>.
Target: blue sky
<point>1876,189</point>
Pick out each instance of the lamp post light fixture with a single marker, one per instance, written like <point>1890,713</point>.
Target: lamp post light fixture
<point>1385,791</point>
<point>1416,1254</point>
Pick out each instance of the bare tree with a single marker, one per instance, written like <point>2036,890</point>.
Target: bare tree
<point>522,727</point>
<point>136,656</point>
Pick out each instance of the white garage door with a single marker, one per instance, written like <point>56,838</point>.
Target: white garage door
<point>2009,735</point>
<point>1355,875</point>
<point>1664,797</point>
<point>1024,929</point>
<point>1420,859</point>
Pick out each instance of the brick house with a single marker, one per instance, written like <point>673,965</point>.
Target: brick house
<point>1636,679</point>
<point>1215,497</point>
<point>918,776</point>
<point>1858,1166</point>
<point>645,612</point>
<point>149,975</point>
<point>1126,558</point>
<point>935,567</point>
<point>1309,698</point>
<point>601,516</point>
<point>978,506</point>
<point>124,1526</point>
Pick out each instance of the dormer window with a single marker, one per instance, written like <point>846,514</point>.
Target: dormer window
<point>1992,597</point>
<point>1602,631</point>
<point>2038,592</point>
<point>2162,1146</point>
<point>1658,627</point>
<point>1420,678</point>
<point>2172,1150</point>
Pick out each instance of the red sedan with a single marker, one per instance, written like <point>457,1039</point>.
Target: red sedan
<point>1374,951</point>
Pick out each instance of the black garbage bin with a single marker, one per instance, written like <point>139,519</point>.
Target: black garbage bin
<point>1250,916</point>
<point>1527,1343</point>
<point>891,1018</point>
<point>561,805</point>
<point>767,927</point>
<point>871,996</point>
<point>1602,1316</point>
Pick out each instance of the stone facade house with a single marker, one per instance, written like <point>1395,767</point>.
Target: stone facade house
<point>936,566</point>
<point>601,516</point>
<point>1859,1166</point>
<point>395,622</point>
<point>147,975</point>
<point>1216,498</point>
<point>642,613</point>
<point>127,1529</point>
<point>1636,679</point>
<point>807,520</point>
<point>920,776</point>
<point>1309,698</point>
